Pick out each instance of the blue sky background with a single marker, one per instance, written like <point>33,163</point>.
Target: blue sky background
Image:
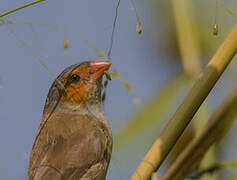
<point>25,83</point>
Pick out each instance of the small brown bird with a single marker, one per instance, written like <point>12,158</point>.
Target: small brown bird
<point>74,140</point>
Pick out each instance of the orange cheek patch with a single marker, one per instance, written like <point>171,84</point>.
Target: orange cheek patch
<point>76,93</point>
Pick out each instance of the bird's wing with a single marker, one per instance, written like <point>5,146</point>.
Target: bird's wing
<point>95,172</point>
<point>71,147</point>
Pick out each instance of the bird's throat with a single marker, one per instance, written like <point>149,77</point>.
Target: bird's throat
<point>82,109</point>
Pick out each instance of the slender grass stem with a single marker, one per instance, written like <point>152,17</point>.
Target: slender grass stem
<point>20,7</point>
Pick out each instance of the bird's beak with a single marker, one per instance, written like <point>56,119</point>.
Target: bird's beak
<point>97,69</point>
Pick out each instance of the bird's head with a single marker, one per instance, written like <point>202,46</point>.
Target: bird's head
<point>83,84</point>
<point>79,85</point>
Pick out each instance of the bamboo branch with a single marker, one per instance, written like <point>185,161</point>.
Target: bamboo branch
<point>217,126</point>
<point>181,118</point>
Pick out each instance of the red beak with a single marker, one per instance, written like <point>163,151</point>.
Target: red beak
<point>97,69</point>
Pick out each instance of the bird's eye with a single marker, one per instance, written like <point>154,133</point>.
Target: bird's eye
<point>75,78</point>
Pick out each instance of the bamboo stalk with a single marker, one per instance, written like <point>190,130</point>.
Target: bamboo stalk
<point>190,56</point>
<point>188,108</point>
<point>187,41</point>
<point>217,126</point>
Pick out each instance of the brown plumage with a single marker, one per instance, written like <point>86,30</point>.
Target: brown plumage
<point>74,140</point>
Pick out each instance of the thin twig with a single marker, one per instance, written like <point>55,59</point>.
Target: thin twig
<point>113,30</point>
<point>29,48</point>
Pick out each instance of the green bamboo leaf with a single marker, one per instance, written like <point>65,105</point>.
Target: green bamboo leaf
<point>156,108</point>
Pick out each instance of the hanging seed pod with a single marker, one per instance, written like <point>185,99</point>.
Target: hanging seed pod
<point>215,29</point>
<point>66,44</point>
<point>139,27</point>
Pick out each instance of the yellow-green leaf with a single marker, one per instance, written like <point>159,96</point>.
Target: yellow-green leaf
<point>100,53</point>
<point>115,74</point>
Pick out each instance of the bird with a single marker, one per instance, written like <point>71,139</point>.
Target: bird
<point>74,139</point>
